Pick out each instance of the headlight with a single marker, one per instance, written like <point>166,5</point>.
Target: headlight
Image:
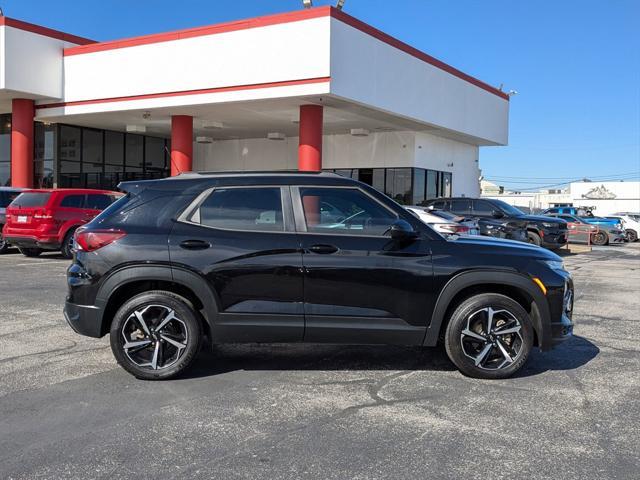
<point>550,225</point>
<point>554,264</point>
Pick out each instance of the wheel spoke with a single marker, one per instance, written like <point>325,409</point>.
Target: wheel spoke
<point>136,345</point>
<point>490,313</point>
<point>505,354</point>
<point>483,354</point>
<point>507,331</point>
<point>143,324</point>
<point>472,334</point>
<point>171,314</point>
<point>156,355</point>
<point>173,342</point>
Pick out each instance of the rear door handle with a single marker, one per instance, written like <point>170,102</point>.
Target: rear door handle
<point>323,249</point>
<point>194,244</point>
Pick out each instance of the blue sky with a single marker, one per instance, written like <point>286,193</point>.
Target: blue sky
<point>575,64</point>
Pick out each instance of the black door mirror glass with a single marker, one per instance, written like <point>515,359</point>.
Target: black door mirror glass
<point>497,214</point>
<point>402,230</point>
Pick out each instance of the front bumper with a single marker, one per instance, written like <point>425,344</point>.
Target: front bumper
<point>555,239</point>
<point>563,329</point>
<point>84,319</point>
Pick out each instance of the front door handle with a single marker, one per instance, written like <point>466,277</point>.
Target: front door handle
<point>194,244</point>
<point>323,249</point>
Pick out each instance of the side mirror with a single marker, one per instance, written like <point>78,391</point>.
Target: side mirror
<point>497,214</point>
<point>402,230</point>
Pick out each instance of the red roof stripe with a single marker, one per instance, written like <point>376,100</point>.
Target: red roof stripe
<point>47,32</point>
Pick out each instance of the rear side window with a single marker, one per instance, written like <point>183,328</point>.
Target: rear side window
<point>32,199</point>
<point>73,201</point>
<point>439,205</point>
<point>482,208</point>
<point>99,201</point>
<point>242,209</point>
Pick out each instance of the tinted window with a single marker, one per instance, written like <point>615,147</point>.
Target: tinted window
<point>439,205</point>
<point>7,197</point>
<point>482,208</point>
<point>33,199</point>
<point>461,206</point>
<point>73,201</point>
<point>99,201</point>
<point>344,210</point>
<point>242,209</point>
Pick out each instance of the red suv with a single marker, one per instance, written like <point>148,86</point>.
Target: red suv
<point>40,220</point>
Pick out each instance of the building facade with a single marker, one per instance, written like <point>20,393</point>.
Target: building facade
<point>314,89</point>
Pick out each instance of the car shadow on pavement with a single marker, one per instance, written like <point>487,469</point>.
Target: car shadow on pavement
<point>227,358</point>
<point>571,355</point>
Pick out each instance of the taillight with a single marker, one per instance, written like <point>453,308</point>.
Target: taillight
<point>90,240</point>
<point>462,229</point>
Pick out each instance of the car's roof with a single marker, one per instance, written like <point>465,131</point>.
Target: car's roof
<point>66,190</point>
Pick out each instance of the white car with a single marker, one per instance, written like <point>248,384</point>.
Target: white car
<point>445,223</point>
<point>630,224</point>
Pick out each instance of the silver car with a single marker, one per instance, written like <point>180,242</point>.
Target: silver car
<point>7,194</point>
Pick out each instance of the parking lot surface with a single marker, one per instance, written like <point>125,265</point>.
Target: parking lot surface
<point>317,411</point>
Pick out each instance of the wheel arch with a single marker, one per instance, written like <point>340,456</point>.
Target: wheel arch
<point>516,286</point>
<point>125,283</point>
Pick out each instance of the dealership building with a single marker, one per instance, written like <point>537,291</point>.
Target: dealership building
<point>315,89</point>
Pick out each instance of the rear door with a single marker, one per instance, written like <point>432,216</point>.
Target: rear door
<point>71,211</point>
<point>460,206</point>
<point>360,286</point>
<point>242,241</point>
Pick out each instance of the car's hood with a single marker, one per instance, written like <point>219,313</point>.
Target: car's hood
<point>509,246</point>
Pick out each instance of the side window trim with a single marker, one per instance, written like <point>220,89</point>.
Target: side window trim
<point>300,219</point>
<point>194,209</point>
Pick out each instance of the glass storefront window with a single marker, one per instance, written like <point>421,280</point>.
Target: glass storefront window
<point>44,155</point>
<point>432,185</point>
<point>114,150</point>
<point>69,156</point>
<point>134,153</point>
<point>419,178</point>
<point>154,163</point>
<point>398,185</point>
<point>5,150</point>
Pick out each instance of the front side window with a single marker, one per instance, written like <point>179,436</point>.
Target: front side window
<point>344,211</point>
<point>242,209</point>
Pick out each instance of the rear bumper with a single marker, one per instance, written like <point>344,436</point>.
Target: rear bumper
<point>83,319</point>
<point>32,242</point>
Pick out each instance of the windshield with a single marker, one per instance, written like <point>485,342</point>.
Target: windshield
<point>508,209</point>
<point>31,199</point>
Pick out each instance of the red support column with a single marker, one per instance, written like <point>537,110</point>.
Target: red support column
<point>310,146</point>
<point>22,113</point>
<point>181,144</point>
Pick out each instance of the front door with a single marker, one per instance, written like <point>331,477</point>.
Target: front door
<point>243,241</point>
<point>359,285</point>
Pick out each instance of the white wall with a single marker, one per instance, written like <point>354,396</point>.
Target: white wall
<point>283,52</point>
<point>627,196</point>
<point>369,71</point>
<point>31,63</point>
<point>383,149</point>
<point>437,153</point>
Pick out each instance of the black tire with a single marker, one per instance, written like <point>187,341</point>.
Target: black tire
<point>632,235</point>
<point>600,238</point>
<point>30,252</point>
<point>4,246</point>
<point>534,238</point>
<point>185,330</point>
<point>493,363</point>
<point>67,244</point>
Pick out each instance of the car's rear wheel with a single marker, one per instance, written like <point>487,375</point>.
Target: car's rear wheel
<point>489,336</point>
<point>30,252</point>
<point>67,244</point>
<point>534,238</point>
<point>632,235</point>
<point>155,335</point>
<point>600,238</point>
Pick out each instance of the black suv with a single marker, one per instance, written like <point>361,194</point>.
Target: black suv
<point>543,231</point>
<point>303,257</point>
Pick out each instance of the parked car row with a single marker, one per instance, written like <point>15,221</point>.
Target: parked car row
<point>39,220</point>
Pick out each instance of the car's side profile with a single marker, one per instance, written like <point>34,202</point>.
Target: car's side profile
<point>263,258</point>
<point>38,220</point>
<point>598,234</point>
<point>630,224</point>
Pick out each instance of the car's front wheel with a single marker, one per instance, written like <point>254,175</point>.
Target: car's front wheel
<point>155,335</point>
<point>600,238</point>
<point>632,235</point>
<point>534,238</point>
<point>489,336</point>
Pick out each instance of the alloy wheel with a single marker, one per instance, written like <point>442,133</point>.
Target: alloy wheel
<point>492,338</point>
<point>154,337</point>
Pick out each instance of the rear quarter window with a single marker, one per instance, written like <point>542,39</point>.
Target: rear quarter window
<point>73,201</point>
<point>31,199</point>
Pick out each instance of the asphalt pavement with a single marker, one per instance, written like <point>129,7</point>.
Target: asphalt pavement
<point>313,411</point>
